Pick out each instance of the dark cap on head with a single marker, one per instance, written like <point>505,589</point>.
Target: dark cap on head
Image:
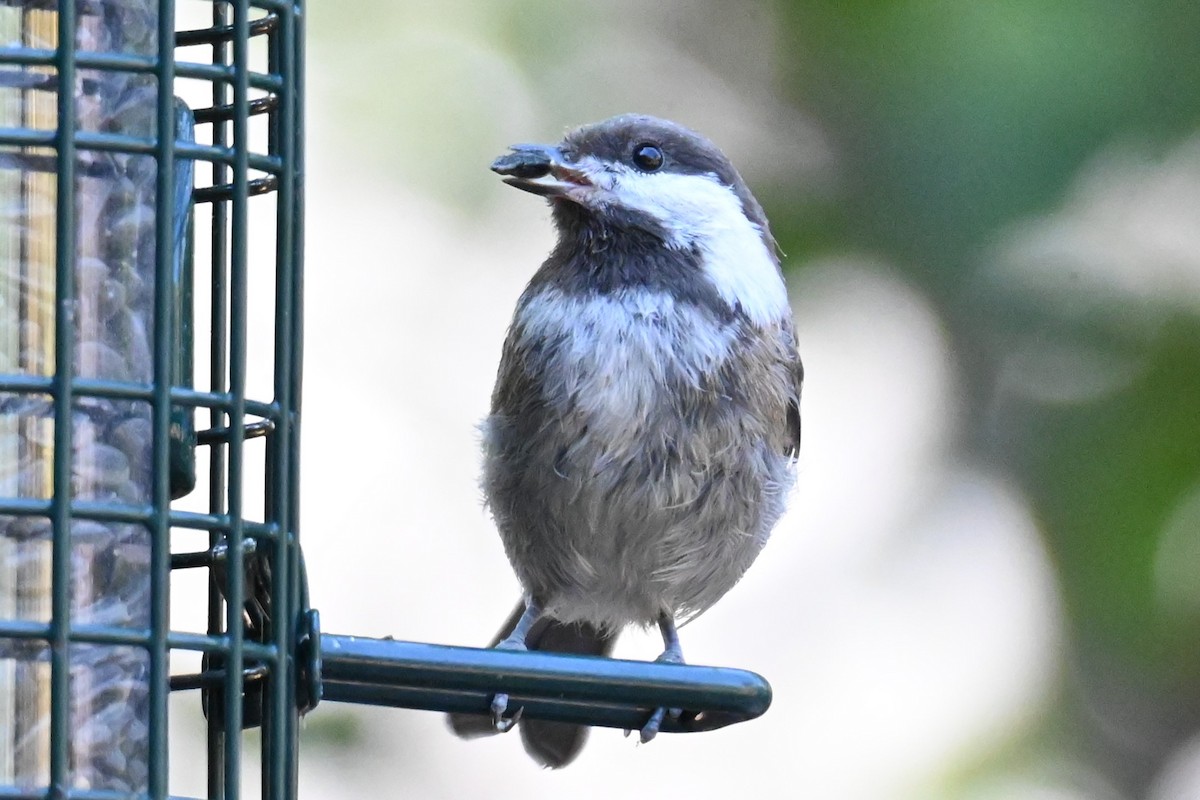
<point>684,151</point>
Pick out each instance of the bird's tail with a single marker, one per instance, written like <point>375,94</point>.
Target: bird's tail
<point>551,744</point>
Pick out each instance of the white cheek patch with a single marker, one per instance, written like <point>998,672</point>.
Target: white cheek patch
<point>699,211</point>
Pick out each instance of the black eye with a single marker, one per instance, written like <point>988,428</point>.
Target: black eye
<point>648,157</point>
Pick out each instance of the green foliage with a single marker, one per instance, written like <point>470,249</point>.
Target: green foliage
<point>953,118</point>
<point>958,123</point>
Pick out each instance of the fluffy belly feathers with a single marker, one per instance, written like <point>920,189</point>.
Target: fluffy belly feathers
<point>631,474</point>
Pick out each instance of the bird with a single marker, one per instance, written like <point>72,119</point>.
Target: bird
<point>645,422</point>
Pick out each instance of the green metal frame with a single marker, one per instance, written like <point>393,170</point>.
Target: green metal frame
<point>232,650</point>
<point>264,659</point>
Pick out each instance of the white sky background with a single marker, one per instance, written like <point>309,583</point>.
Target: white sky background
<point>904,611</point>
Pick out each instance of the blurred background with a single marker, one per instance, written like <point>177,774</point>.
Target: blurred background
<point>987,584</point>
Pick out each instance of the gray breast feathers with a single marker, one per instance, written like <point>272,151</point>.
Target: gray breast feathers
<point>637,454</point>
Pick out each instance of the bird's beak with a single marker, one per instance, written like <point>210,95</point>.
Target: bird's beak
<point>540,169</point>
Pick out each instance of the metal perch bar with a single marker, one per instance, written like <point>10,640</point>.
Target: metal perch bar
<point>605,692</point>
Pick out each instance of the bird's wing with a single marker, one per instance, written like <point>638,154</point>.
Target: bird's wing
<point>796,369</point>
<point>514,389</point>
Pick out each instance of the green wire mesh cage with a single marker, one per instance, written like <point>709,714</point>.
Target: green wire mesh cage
<point>109,183</point>
<point>149,398</point>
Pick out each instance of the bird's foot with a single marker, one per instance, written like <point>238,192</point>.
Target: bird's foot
<point>499,705</point>
<point>652,726</point>
<point>672,655</point>
<point>501,723</point>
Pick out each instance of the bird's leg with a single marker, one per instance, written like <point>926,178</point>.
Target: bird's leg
<point>514,641</point>
<point>672,654</point>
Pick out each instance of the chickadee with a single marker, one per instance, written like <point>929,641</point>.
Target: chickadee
<point>645,421</point>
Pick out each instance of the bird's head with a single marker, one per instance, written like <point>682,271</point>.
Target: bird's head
<point>635,183</point>
<point>636,171</point>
